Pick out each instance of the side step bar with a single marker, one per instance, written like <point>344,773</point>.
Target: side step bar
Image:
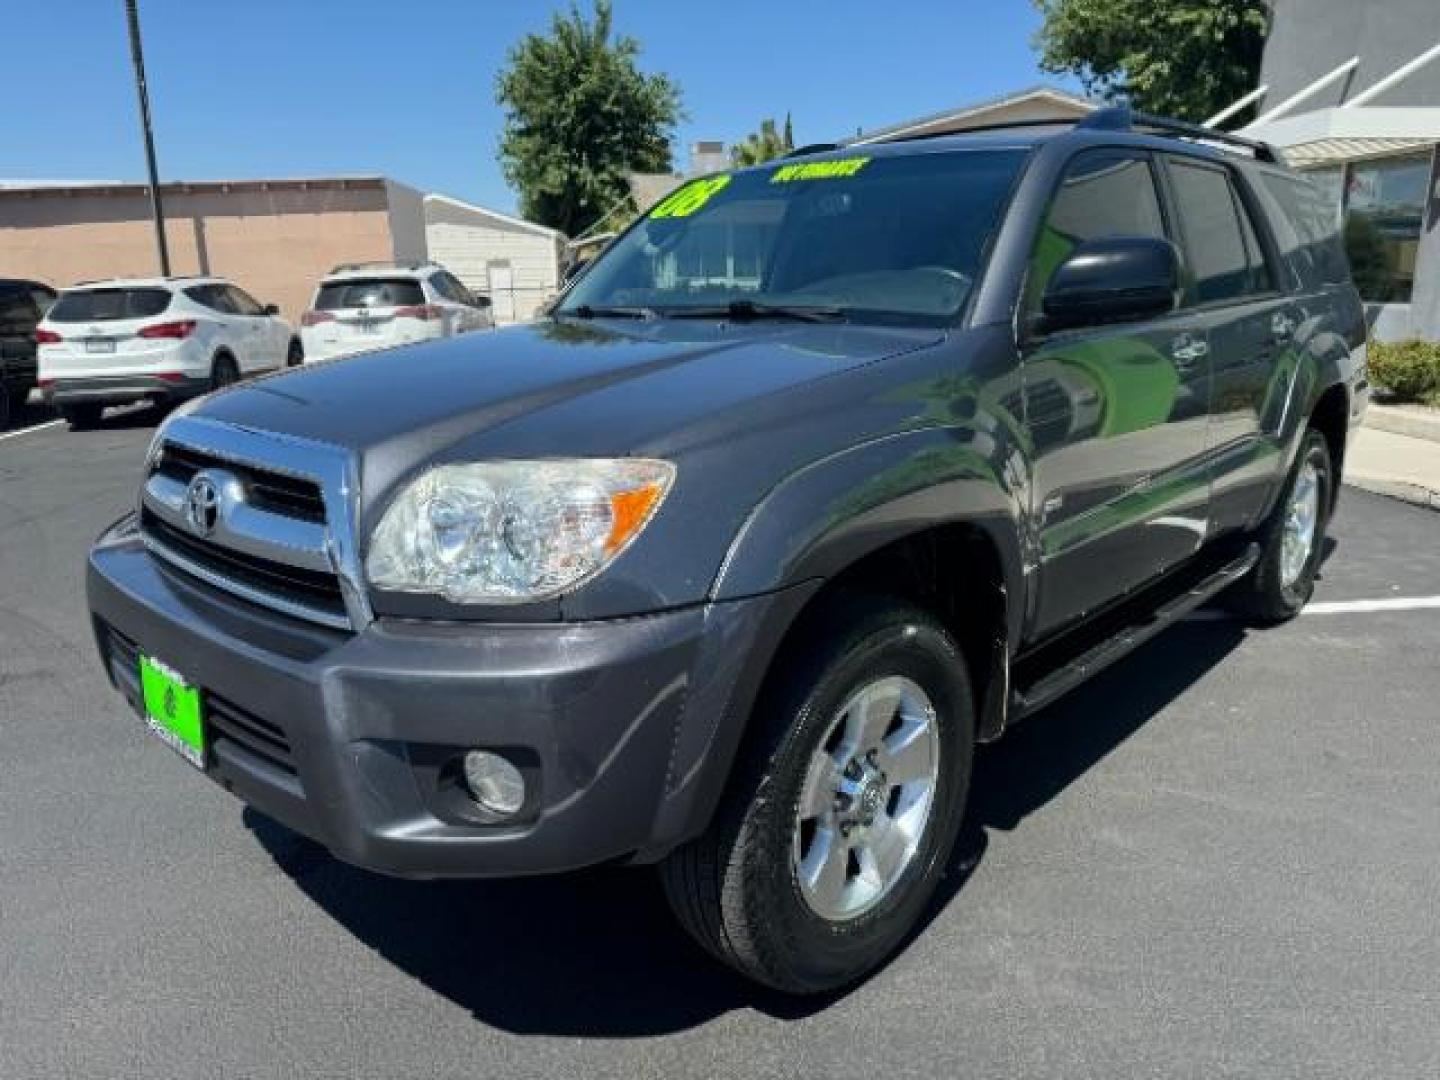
<point>1052,684</point>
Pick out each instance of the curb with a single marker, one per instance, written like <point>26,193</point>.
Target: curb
<point>1397,421</point>
<point>1414,494</point>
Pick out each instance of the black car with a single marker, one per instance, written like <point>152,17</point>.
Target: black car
<point>825,472</point>
<point>22,305</point>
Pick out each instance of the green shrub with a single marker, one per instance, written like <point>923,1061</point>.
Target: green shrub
<point>1408,369</point>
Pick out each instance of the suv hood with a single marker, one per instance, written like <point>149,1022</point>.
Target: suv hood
<point>574,388</point>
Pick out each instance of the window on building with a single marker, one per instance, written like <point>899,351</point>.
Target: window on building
<point>1384,212</point>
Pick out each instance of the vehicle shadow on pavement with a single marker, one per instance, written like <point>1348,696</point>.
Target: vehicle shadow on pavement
<point>598,955</point>
<point>16,417</point>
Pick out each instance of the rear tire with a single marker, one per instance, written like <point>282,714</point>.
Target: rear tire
<point>82,417</point>
<point>295,355</point>
<point>792,885</point>
<point>1292,541</point>
<point>223,372</point>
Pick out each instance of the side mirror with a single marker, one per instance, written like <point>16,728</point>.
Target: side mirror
<point>483,303</point>
<point>1113,279</point>
<point>272,309</point>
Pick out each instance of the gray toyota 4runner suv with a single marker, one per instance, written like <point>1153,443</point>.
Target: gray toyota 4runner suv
<point>825,472</point>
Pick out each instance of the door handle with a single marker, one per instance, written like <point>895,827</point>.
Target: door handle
<point>1185,350</point>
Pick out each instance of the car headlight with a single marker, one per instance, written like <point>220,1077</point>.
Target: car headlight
<point>514,531</point>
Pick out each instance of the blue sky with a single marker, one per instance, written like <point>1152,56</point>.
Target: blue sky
<point>283,88</point>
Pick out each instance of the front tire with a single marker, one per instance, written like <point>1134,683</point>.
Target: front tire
<point>295,354</point>
<point>1293,540</point>
<point>842,808</point>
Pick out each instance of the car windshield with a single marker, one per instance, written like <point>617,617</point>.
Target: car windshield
<point>107,305</point>
<point>369,293</point>
<point>872,239</point>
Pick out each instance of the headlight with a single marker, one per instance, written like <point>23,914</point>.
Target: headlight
<point>515,531</point>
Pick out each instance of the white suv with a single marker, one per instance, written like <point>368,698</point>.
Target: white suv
<point>162,339</point>
<point>364,306</point>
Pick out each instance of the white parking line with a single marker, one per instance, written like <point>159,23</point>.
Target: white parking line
<point>1335,607</point>
<point>28,430</point>
<point>1399,603</point>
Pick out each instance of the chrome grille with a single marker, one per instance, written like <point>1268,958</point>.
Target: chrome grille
<point>274,526</point>
<point>291,496</point>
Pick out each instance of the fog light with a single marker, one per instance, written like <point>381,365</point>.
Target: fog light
<point>494,783</point>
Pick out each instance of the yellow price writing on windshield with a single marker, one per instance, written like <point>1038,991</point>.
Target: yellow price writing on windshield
<point>690,198</point>
<point>819,170</point>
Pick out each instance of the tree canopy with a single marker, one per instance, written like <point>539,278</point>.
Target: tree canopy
<point>1182,58</point>
<point>763,145</point>
<point>579,116</point>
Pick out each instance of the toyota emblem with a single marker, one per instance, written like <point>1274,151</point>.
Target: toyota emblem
<point>202,504</point>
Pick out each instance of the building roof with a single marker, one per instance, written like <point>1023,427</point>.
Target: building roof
<point>1032,103</point>
<point>1349,133</point>
<point>504,219</point>
<point>33,189</point>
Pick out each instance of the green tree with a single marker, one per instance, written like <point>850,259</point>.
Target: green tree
<point>763,145</point>
<point>579,116</point>
<point>1181,58</point>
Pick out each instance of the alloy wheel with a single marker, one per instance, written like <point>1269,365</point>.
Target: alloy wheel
<point>867,798</point>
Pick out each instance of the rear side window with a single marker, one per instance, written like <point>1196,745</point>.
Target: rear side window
<point>369,293</point>
<point>1104,193</point>
<point>108,305</point>
<point>243,302</point>
<point>213,297</point>
<point>1224,264</point>
<point>18,313</point>
<point>1308,228</point>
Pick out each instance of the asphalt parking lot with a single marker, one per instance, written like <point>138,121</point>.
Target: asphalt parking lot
<point>1221,858</point>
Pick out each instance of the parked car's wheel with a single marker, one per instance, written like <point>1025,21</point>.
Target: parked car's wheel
<point>80,417</point>
<point>16,397</point>
<point>843,805</point>
<point>223,371</point>
<point>1293,540</point>
<point>295,354</point>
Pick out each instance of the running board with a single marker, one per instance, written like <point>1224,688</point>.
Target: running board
<point>1053,684</point>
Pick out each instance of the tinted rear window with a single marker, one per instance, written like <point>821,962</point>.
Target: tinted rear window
<point>1309,229</point>
<point>105,305</point>
<point>369,293</point>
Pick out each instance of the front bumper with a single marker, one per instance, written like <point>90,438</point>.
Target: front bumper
<point>119,389</point>
<point>624,729</point>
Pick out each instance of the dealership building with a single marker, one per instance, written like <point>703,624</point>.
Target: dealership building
<point>1350,92</point>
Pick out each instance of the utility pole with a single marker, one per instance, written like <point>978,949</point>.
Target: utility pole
<point>157,212</point>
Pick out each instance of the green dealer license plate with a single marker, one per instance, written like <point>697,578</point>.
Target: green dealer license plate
<point>172,709</point>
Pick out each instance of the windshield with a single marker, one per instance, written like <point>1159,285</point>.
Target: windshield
<point>873,238</point>
<point>108,305</point>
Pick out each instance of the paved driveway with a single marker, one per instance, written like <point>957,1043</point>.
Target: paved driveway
<point>1220,858</point>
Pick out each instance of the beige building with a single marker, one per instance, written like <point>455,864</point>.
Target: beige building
<point>274,238</point>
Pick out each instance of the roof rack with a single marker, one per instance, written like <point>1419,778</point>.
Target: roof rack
<point>812,148</point>
<point>1110,118</point>
<point>1123,118</point>
<point>382,264</point>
